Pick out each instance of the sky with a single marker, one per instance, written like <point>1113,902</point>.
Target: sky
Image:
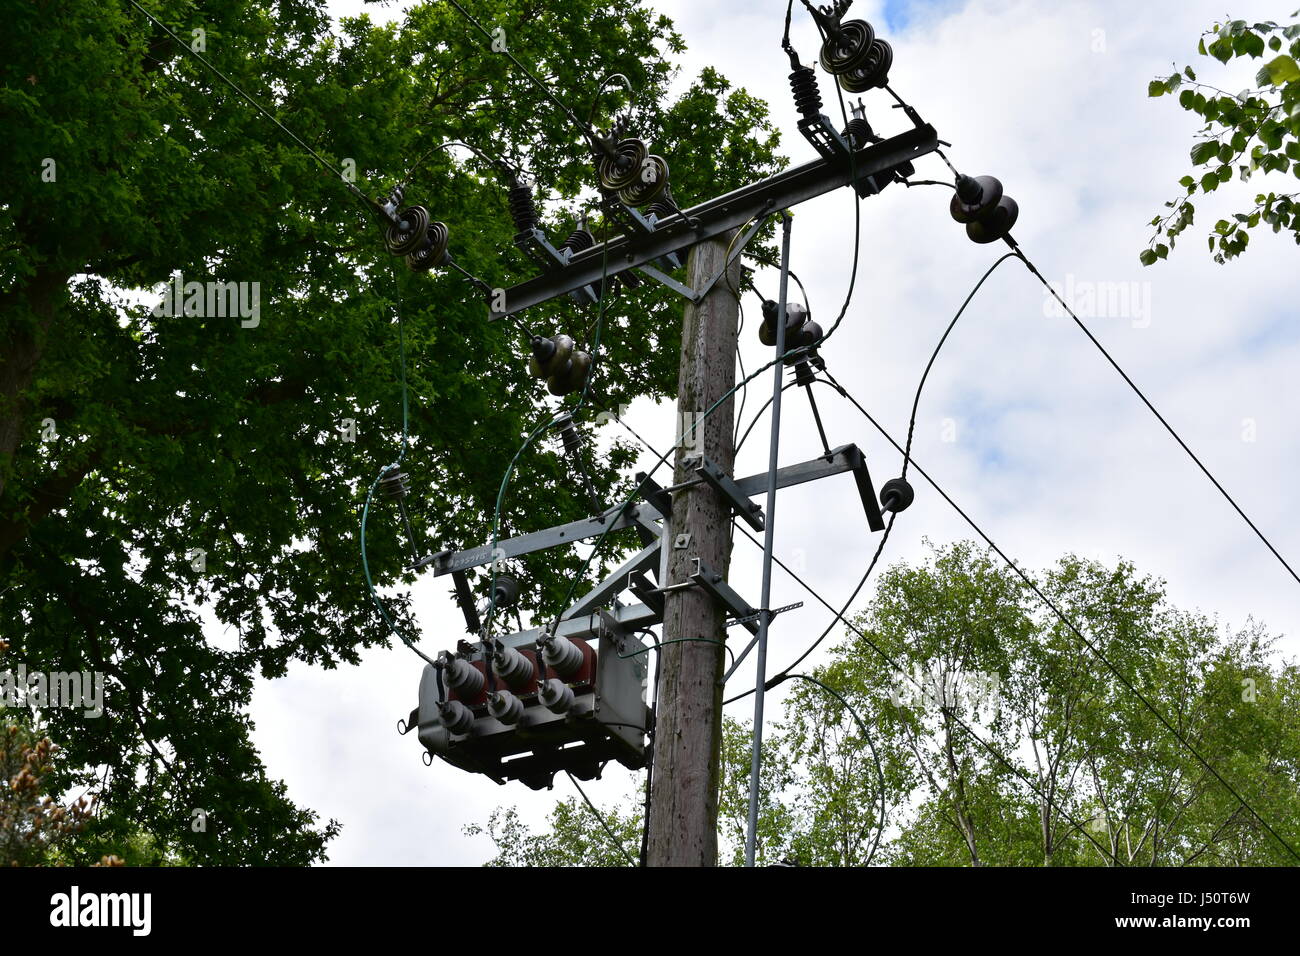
<point>1022,422</point>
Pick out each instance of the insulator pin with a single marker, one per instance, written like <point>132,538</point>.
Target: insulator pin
<point>859,133</point>
<point>395,483</point>
<point>807,98</point>
<point>578,240</point>
<point>523,212</point>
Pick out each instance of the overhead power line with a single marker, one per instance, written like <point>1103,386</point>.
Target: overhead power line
<point>1078,633</point>
<point>326,164</point>
<point>1154,411</point>
<point>839,616</point>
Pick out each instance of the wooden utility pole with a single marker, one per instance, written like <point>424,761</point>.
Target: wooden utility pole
<point>683,827</point>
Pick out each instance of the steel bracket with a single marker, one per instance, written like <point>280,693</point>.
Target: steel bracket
<point>740,658</point>
<point>654,493</point>
<point>727,487</point>
<point>866,491</point>
<point>723,593</point>
<point>716,216</point>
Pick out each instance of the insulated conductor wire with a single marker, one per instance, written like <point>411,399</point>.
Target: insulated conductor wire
<point>257,106</point>
<point>1033,586</point>
<point>993,751</point>
<point>1019,253</point>
<point>584,128</point>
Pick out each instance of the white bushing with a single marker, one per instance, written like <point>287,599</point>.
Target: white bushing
<point>512,667</point>
<point>456,717</point>
<point>562,655</point>
<point>464,678</point>
<point>505,707</point>
<point>556,696</point>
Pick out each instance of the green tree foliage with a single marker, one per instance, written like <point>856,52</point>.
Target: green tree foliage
<point>1255,130</point>
<point>573,838</point>
<point>1080,772</point>
<point>154,469</point>
<point>34,827</point>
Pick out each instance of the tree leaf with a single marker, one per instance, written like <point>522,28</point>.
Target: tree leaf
<point>1278,72</point>
<point>1203,152</point>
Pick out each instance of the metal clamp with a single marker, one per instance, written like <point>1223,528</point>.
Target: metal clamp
<point>723,593</point>
<point>727,487</point>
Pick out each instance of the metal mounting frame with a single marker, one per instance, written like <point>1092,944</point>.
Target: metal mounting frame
<point>724,594</point>
<point>646,513</point>
<point>747,510</point>
<point>643,515</point>
<point>716,216</point>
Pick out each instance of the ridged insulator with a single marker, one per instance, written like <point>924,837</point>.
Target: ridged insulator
<point>522,211</point>
<point>464,678</point>
<point>859,133</point>
<point>562,655</point>
<point>807,97</point>
<point>568,434</point>
<point>394,484</point>
<point>556,696</point>
<point>578,240</point>
<point>512,667</point>
<point>505,707</point>
<point>456,717</point>
<point>661,209</point>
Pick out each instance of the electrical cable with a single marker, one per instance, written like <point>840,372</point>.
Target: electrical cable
<point>916,401</point>
<point>501,165</point>
<point>839,615</point>
<point>595,100</point>
<point>1078,633</point>
<point>599,816</point>
<point>505,480</point>
<point>585,130</point>
<point>365,511</point>
<point>650,752</point>
<point>1146,401</point>
<point>758,415</point>
<point>911,428</point>
<point>880,772</point>
<point>681,640</point>
<point>1020,254</point>
<point>370,204</point>
<point>740,361</point>
<point>997,755</point>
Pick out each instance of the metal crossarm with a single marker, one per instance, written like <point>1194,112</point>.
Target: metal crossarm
<point>750,512</point>
<point>643,516</point>
<point>715,217</point>
<point>725,595</point>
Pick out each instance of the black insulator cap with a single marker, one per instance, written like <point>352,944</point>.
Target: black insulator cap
<point>506,591</point>
<point>809,333</point>
<point>543,348</point>
<point>968,188</point>
<point>896,495</point>
<point>995,224</point>
<point>984,192</point>
<point>795,316</point>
